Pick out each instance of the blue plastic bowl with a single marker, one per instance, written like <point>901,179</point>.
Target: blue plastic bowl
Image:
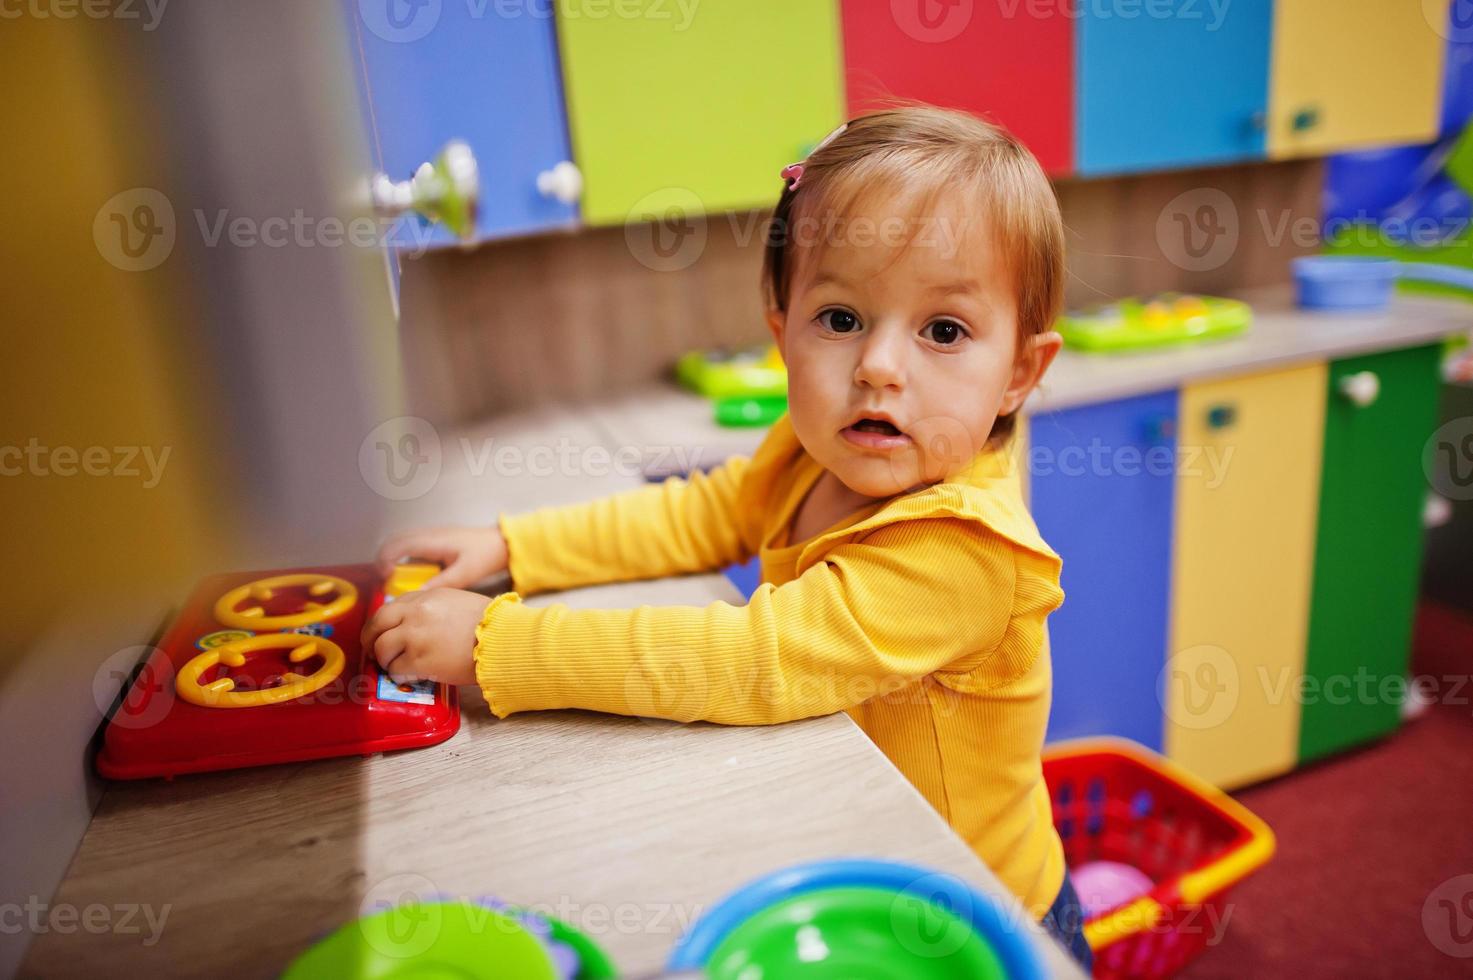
<point>1342,282</point>
<point>1356,282</point>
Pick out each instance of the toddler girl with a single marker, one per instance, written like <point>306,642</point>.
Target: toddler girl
<point>913,270</point>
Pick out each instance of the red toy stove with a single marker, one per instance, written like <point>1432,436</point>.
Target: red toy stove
<point>266,667</point>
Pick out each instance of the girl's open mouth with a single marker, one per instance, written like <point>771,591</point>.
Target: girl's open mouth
<point>874,434</point>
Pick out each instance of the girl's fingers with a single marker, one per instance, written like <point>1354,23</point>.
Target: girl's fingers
<point>396,547</point>
<point>389,615</point>
<point>388,648</point>
<point>414,545</point>
<point>453,576</point>
<point>404,675</point>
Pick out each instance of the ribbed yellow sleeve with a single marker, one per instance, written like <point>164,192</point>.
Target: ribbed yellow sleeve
<point>670,528</point>
<point>877,613</point>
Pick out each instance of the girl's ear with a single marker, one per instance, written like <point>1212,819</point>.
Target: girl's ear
<point>775,321</point>
<point>1029,368</point>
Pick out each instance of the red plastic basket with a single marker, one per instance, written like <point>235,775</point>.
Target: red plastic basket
<point>1115,800</point>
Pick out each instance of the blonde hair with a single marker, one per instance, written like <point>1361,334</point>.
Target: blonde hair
<point>932,151</point>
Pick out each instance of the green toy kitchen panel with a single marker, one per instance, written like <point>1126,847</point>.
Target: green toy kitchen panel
<point>1379,411</point>
<point>686,108</point>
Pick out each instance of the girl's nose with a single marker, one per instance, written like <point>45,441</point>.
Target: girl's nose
<point>881,360</point>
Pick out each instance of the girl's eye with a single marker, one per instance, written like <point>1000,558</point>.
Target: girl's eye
<point>946,332</point>
<point>839,321</point>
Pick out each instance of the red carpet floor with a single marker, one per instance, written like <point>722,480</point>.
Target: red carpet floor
<point>1364,840</point>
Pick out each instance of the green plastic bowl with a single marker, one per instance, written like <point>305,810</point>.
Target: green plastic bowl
<point>854,933</point>
<point>443,941</point>
<point>593,963</point>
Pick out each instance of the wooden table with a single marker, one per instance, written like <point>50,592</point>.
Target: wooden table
<point>626,828</point>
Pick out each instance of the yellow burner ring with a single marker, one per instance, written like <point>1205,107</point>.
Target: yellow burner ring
<point>254,617</point>
<point>221,693</point>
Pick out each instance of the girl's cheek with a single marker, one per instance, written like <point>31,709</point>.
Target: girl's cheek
<point>945,442</point>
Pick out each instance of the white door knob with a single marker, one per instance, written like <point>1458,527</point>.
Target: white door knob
<point>563,182</point>
<point>1437,511</point>
<point>1362,388</point>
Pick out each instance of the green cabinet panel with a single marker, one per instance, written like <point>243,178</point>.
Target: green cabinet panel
<point>677,108</point>
<point>1368,548</point>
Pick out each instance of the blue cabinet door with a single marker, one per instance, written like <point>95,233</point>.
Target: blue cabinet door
<point>1103,485</point>
<point>433,72</point>
<point>1172,84</point>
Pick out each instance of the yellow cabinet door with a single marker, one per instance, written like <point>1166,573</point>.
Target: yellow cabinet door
<point>1352,73</point>
<point>1243,553</point>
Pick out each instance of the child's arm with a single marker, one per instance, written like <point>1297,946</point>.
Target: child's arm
<point>907,600</point>
<point>665,529</point>
<point>681,525</point>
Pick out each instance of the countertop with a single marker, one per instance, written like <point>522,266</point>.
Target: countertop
<point>1280,335</point>
<point>627,828</point>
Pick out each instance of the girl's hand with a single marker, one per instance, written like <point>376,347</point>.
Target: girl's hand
<point>427,635</point>
<point>468,554</point>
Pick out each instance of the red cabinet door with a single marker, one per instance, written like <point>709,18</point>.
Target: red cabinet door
<point>996,59</point>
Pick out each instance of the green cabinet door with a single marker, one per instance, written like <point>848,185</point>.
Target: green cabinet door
<point>1380,409</point>
<point>681,107</point>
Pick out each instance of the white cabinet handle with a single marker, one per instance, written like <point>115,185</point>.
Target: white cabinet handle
<point>1362,388</point>
<point>446,189</point>
<point>563,182</point>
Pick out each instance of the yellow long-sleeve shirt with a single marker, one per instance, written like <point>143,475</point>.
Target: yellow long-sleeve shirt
<point>921,616</point>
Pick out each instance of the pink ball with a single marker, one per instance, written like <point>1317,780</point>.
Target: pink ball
<point>1106,885</point>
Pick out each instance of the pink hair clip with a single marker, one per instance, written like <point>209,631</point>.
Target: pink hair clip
<point>794,171</point>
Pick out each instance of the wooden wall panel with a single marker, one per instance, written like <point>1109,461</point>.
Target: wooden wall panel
<point>574,317</point>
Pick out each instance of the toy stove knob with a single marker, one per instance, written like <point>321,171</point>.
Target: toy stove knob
<point>1361,388</point>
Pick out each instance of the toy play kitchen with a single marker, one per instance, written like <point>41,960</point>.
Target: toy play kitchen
<point>261,668</point>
